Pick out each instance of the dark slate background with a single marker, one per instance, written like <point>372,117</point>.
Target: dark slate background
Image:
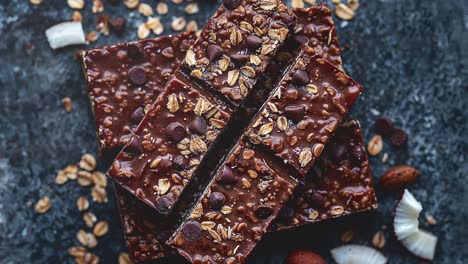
<point>410,55</point>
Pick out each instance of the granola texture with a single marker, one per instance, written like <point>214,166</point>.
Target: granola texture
<point>125,79</point>
<point>235,210</point>
<point>236,45</point>
<point>340,183</point>
<point>169,144</point>
<point>304,111</point>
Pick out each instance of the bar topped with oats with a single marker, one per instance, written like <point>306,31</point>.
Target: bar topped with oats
<point>236,45</point>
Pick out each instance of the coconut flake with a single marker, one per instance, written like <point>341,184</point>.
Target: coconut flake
<point>350,254</point>
<point>65,34</point>
<point>419,242</point>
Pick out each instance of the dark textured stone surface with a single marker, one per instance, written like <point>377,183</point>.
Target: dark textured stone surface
<point>409,55</point>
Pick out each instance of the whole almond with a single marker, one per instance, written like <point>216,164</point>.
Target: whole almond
<point>396,178</point>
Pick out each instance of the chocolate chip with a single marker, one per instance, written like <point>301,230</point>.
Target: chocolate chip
<point>137,75</point>
<point>295,112</point>
<point>300,77</point>
<point>338,151</point>
<point>134,146</point>
<point>216,200</point>
<point>179,161</point>
<point>134,51</point>
<point>137,115</point>
<point>263,211</point>
<point>383,126</point>
<point>164,203</point>
<point>253,42</point>
<point>240,58</point>
<point>398,137</point>
<point>301,39</point>
<point>231,4</point>
<point>198,125</point>
<point>118,25</point>
<point>176,131</point>
<point>227,177</point>
<point>357,154</point>
<point>165,164</point>
<point>191,231</point>
<point>214,52</point>
<point>315,199</point>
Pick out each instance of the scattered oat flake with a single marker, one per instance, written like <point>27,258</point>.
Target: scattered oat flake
<point>99,194</point>
<point>124,258</point>
<point>430,219</point>
<point>375,145</point>
<point>145,9</point>
<point>297,3</point>
<point>353,4</point>
<point>131,4</point>
<point>88,162</point>
<point>177,2</point>
<point>99,178</point>
<point>162,8</point>
<point>347,236</point>
<point>67,104</point>
<point>378,240</point>
<point>36,2</point>
<point>86,239</point>
<point>143,31</point>
<point>101,228</point>
<point>89,219</point>
<point>92,36</point>
<point>77,251</point>
<point>98,6</point>
<point>77,16</point>
<point>76,4</point>
<point>385,157</point>
<point>82,203</point>
<point>178,23</point>
<point>43,205</point>
<point>192,26</point>
<point>335,2</point>
<point>310,2</point>
<point>192,8</point>
<point>342,11</point>
<point>88,258</point>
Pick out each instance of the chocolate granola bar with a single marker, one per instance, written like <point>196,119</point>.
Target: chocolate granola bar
<point>125,79</point>
<point>339,184</point>
<point>183,124</point>
<point>251,186</point>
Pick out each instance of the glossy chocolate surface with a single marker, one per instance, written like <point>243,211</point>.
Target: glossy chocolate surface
<point>236,45</point>
<point>166,148</point>
<point>124,80</point>
<point>304,111</point>
<point>235,210</point>
<point>340,183</point>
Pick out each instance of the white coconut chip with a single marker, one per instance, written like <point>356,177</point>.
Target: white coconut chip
<point>65,34</point>
<point>419,242</point>
<point>357,254</point>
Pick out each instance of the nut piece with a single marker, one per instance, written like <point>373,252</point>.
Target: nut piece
<point>43,205</point>
<point>396,178</point>
<point>375,145</point>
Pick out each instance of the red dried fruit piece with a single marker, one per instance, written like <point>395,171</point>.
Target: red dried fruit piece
<point>302,256</point>
<point>383,126</point>
<point>398,137</point>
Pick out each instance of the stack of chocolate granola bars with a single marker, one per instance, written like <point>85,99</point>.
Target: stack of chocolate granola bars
<point>228,134</point>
